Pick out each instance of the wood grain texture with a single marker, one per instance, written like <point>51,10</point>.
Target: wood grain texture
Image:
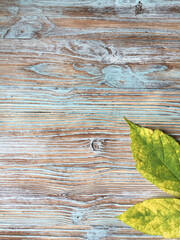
<point>69,72</point>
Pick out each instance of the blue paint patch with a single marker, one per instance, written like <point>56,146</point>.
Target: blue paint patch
<point>96,234</point>
<point>122,76</point>
<point>55,71</point>
<point>25,2</point>
<point>93,70</point>
<point>13,10</point>
<point>47,69</point>
<point>27,27</point>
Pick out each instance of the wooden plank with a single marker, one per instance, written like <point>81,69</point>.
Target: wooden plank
<point>97,61</point>
<point>89,28</point>
<point>97,8</point>
<point>69,72</point>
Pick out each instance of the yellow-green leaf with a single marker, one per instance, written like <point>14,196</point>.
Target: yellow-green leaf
<point>155,217</point>
<point>157,156</point>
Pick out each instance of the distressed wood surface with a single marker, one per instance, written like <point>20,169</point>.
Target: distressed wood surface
<point>69,72</point>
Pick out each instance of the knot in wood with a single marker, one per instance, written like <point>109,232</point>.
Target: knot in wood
<point>97,144</point>
<point>78,217</point>
<point>138,8</point>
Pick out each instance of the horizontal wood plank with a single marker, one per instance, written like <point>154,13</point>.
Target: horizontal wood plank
<point>96,8</point>
<point>131,29</point>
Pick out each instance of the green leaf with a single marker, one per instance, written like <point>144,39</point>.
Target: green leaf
<point>157,156</point>
<point>155,217</point>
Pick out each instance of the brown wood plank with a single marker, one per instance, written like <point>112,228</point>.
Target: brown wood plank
<point>28,27</point>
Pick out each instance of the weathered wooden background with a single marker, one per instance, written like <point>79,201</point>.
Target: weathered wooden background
<point>70,70</point>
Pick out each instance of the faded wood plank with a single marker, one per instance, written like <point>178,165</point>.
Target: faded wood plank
<point>29,27</point>
<point>79,63</point>
<point>67,77</point>
<point>97,8</point>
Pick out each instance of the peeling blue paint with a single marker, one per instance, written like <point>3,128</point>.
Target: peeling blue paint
<point>94,70</point>
<point>122,76</point>
<point>96,3</point>
<point>13,10</point>
<point>97,234</point>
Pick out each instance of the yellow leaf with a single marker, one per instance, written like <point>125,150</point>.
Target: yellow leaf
<point>157,156</point>
<point>155,217</point>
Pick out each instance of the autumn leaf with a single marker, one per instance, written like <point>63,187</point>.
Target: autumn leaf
<point>157,156</point>
<point>158,159</point>
<point>155,217</point>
